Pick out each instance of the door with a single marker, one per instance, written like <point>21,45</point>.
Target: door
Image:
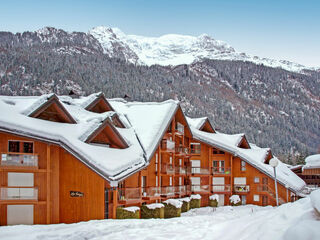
<point>221,166</point>
<point>218,184</point>
<point>243,199</point>
<point>19,214</point>
<point>106,203</point>
<point>221,200</point>
<point>195,166</point>
<point>264,200</point>
<point>144,185</point>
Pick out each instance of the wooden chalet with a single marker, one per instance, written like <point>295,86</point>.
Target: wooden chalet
<point>65,160</point>
<point>310,172</point>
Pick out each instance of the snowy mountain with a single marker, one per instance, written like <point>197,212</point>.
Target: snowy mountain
<point>173,49</point>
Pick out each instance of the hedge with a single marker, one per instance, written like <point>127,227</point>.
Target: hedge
<point>185,206</point>
<point>125,214</point>
<point>213,203</point>
<point>151,213</point>
<point>195,203</point>
<point>171,211</point>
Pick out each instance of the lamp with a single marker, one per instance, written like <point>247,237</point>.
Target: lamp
<point>274,163</point>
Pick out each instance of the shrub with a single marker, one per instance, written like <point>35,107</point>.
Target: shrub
<point>185,204</point>
<point>235,200</point>
<point>214,200</point>
<point>128,213</point>
<point>172,208</point>
<point>195,201</point>
<point>155,210</point>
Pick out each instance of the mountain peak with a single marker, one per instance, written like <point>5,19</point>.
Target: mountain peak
<point>175,49</point>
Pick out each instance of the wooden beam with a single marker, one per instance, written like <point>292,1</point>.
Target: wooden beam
<point>115,203</point>
<point>48,184</point>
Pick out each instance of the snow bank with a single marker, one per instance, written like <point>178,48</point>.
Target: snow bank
<point>214,197</point>
<point>131,209</point>
<point>174,202</point>
<point>315,200</point>
<point>234,199</point>
<point>195,196</point>
<point>186,199</point>
<point>154,205</point>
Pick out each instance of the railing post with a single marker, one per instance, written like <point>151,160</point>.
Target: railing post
<point>115,203</point>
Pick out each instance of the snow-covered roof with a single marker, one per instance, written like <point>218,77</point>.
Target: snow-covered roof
<point>255,156</point>
<point>312,161</point>
<point>197,122</point>
<point>149,119</point>
<point>119,162</point>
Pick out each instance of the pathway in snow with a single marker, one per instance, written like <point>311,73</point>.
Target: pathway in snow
<point>290,221</point>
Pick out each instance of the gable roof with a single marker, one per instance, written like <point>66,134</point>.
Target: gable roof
<point>89,102</point>
<point>255,156</point>
<point>39,105</point>
<point>201,123</point>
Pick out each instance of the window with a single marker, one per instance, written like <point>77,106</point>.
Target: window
<point>256,198</point>
<point>20,179</point>
<point>243,165</point>
<point>215,164</point>
<point>156,162</point>
<point>28,147</point>
<point>180,161</point>
<point>157,183</point>
<point>170,179</point>
<point>256,179</point>
<point>195,148</point>
<point>180,181</point>
<point>217,151</point>
<point>14,146</point>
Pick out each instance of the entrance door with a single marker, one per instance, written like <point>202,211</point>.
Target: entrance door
<point>264,200</point>
<point>19,214</point>
<point>221,200</point>
<point>106,203</point>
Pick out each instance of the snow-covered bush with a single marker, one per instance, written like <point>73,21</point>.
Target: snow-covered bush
<point>235,200</point>
<point>172,208</point>
<point>155,210</point>
<point>214,200</point>
<point>128,212</point>
<point>195,201</point>
<point>185,204</point>
<point>315,200</point>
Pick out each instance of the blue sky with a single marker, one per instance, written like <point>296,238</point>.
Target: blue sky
<point>279,29</point>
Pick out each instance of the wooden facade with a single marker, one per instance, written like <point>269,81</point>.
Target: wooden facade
<point>60,188</point>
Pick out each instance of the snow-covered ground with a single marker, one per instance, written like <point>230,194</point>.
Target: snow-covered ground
<point>292,221</point>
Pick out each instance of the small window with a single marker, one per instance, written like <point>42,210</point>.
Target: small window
<point>14,146</point>
<point>256,179</point>
<point>195,148</point>
<point>217,151</point>
<point>215,164</point>
<point>28,147</point>
<point>243,165</point>
<point>256,198</point>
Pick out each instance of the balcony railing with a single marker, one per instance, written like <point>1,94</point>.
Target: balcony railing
<point>167,191</point>
<point>221,170</point>
<point>19,160</point>
<point>17,193</point>
<point>200,188</point>
<point>151,192</point>
<point>181,190</point>
<point>167,168</point>
<point>199,170</point>
<point>125,194</point>
<point>168,145</point>
<point>180,170</point>
<point>221,188</point>
<point>241,188</point>
<point>180,128</point>
<point>182,150</point>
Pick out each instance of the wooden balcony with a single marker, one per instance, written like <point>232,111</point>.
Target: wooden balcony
<point>200,188</point>
<point>168,146</point>
<point>221,188</point>
<point>179,128</point>
<point>181,190</point>
<point>168,169</point>
<point>200,171</point>
<point>129,195</point>
<point>221,171</point>
<point>181,170</point>
<point>151,193</point>
<point>19,193</point>
<point>241,188</point>
<point>167,192</point>
<point>20,160</point>
<point>182,151</point>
